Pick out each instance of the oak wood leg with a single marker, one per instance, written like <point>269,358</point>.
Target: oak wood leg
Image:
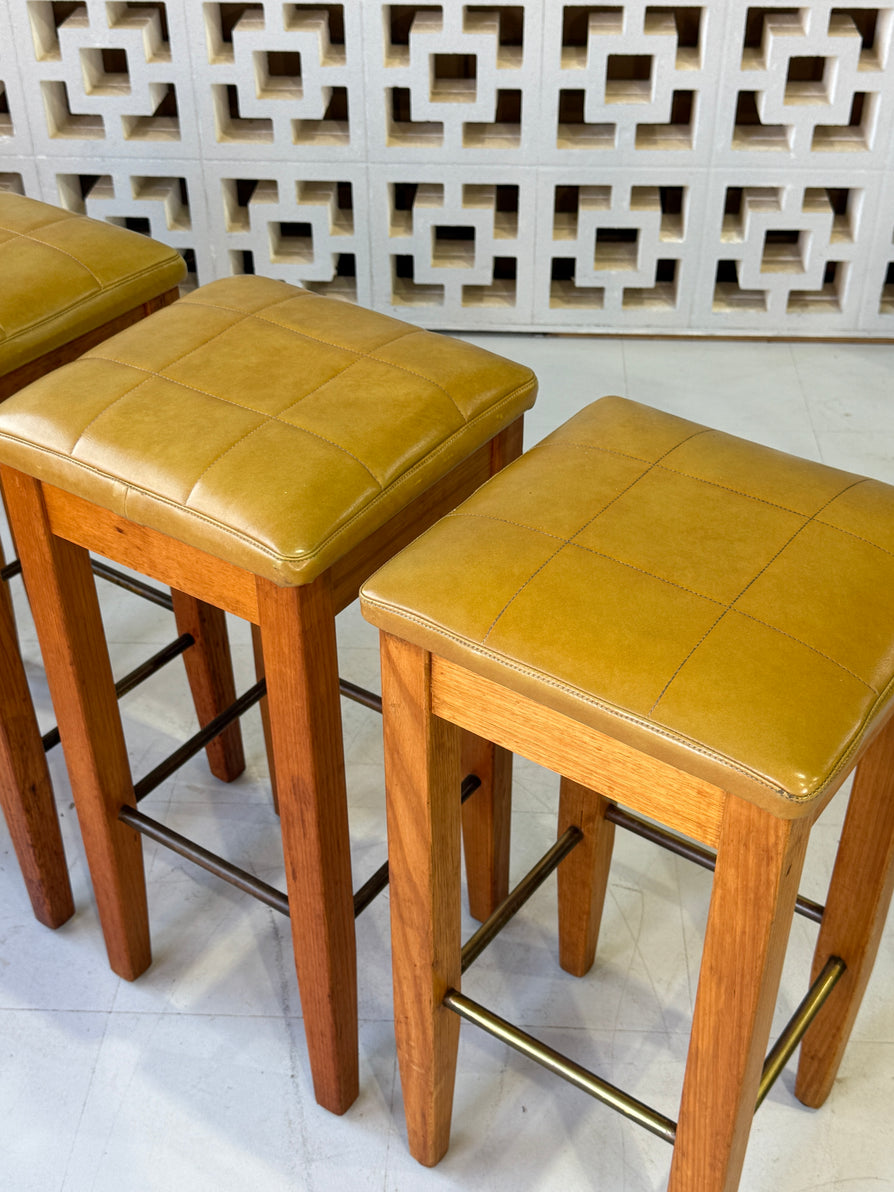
<point>583,875</point>
<point>422,775</point>
<point>298,637</point>
<point>69,627</point>
<point>260,672</point>
<point>26,794</point>
<point>486,818</point>
<point>759,864</point>
<point>209,670</point>
<point>854,918</point>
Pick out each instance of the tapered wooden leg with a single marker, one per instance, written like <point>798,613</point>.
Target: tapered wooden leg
<point>25,791</point>
<point>298,638</point>
<point>209,669</point>
<point>486,818</point>
<point>583,875</point>
<point>66,613</point>
<point>854,918</point>
<point>260,673</point>
<point>422,774</point>
<point>759,864</point>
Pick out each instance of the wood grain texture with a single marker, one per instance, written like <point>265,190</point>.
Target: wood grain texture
<point>26,794</point>
<point>69,627</point>
<point>172,563</point>
<point>298,639</point>
<point>583,875</point>
<point>209,670</point>
<point>854,919</point>
<point>623,774</point>
<point>422,775</point>
<point>486,823</point>
<point>759,864</point>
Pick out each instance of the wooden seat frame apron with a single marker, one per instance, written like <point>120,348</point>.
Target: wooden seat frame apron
<point>296,630</point>
<point>26,794</point>
<point>428,703</point>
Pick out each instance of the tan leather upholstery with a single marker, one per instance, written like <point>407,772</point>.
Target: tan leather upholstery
<point>271,427</point>
<point>714,603</point>
<point>64,274</point>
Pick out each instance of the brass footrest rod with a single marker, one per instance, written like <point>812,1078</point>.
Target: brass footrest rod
<point>562,1066</point>
<point>207,860</point>
<point>518,896</point>
<point>136,676</point>
<point>691,851</point>
<point>797,1026</point>
<point>131,584</point>
<point>360,695</point>
<point>191,747</point>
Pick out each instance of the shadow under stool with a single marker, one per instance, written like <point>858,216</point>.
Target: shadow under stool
<point>687,627</point>
<point>262,449</point>
<point>70,282</point>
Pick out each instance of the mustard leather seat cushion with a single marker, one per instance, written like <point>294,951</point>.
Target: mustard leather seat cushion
<point>712,602</point>
<point>64,275</point>
<point>269,426</point>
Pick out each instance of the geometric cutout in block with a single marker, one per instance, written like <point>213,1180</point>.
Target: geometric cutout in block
<point>337,197</point>
<point>327,21</point>
<point>564,293</point>
<point>400,20</point>
<point>164,122</point>
<point>453,247</point>
<point>403,129</point>
<point>669,200</point>
<point>220,22</point>
<point>75,189</point>
<point>749,132</point>
<point>886,302</point>
<point>344,280</point>
<point>501,291</point>
<point>570,200</point>
<point>578,23</point>
<point>807,80</point>
<point>404,289</point>
<point>686,24</point>
<point>150,17</point>
<point>332,129</point>
<point>510,27</point>
<point>12,184</point>
<point>238,193</point>
<point>573,131</point>
<point>501,201</point>
<point>46,19</point>
<point>662,295</point>
<point>616,249</point>
<point>677,133</point>
<point>105,71</point>
<point>856,134</point>
<point>784,251</point>
<point>172,193</point>
<point>278,75</point>
<point>406,197</point>
<point>842,203</point>
<point>628,78</point>
<point>729,296</point>
<point>825,299</point>
<point>6,128</point>
<point>504,131</point>
<point>291,243</point>
<point>62,121</point>
<point>453,78</point>
<point>230,125</point>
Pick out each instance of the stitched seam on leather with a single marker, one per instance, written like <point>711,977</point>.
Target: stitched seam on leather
<point>753,580</point>
<point>55,248</point>
<point>806,645</point>
<point>677,472</point>
<point>255,543</point>
<point>859,537</point>
<point>457,513</point>
<point>103,292</point>
<point>648,725</point>
<point>589,522</point>
<point>344,347</point>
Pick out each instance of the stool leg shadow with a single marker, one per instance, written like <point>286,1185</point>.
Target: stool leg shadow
<point>26,794</point>
<point>854,918</point>
<point>759,862</point>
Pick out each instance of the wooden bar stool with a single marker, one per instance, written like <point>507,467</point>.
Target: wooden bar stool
<point>68,283</point>
<point>262,449</point>
<point>687,627</point>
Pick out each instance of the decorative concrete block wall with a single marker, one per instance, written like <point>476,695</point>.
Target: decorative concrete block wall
<point>640,166</point>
